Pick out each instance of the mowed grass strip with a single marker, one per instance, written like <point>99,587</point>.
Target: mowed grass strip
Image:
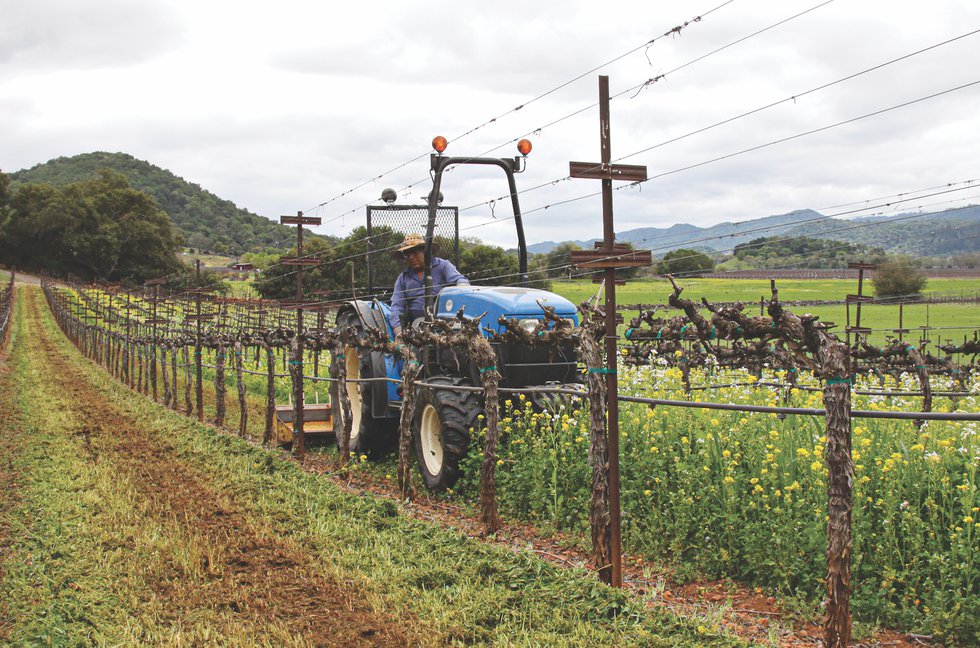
<point>120,545</point>
<point>458,591</point>
<point>57,585</point>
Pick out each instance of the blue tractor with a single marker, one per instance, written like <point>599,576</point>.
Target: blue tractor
<point>444,416</point>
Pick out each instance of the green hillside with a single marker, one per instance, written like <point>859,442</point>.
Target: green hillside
<point>953,231</point>
<point>206,222</point>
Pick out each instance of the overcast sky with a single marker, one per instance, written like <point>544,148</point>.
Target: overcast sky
<point>285,106</point>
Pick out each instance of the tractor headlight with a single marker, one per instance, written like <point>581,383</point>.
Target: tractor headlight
<point>528,324</point>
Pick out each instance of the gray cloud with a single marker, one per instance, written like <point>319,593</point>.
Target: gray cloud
<point>283,110</point>
<point>49,35</point>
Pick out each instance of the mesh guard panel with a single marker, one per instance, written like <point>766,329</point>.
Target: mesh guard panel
<point>389,224</point>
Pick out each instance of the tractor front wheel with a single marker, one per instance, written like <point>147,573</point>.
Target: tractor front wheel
<point>441,429</point>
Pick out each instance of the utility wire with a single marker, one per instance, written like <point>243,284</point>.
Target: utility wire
<point>750,149</point>
<point>746,150</point>
<point>891,203</point>
<point>673,31</point>
<point>589,107</point>
<point>729,120</point>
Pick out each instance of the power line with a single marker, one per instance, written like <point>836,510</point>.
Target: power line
<point>674,30</point>
<point>750,149</point>
<point>758,147</point>
<point>584,109</point>
<point>729,155</point>
<point>729,120</point>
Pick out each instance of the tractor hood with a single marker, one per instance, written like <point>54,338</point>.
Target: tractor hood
<point>507,301</point>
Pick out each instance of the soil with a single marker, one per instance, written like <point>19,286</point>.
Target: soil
<point>261,579</point>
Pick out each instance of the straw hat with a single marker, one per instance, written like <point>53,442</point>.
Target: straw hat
<point>411,241</point>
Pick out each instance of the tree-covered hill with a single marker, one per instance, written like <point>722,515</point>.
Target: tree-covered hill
<point>99,229</point>
<point>205,221</point>
<point>798,252</point>
<point>949,232</point>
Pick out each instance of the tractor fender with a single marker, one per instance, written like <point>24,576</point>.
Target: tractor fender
<point>376,364</point>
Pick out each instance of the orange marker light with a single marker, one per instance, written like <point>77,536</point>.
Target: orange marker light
<point>439,143</point>
<point>524,147</point>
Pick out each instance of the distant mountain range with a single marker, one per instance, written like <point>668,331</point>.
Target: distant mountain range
<point>953,231</point>
<point>207,222</point>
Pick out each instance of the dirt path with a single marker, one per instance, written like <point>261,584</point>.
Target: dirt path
<point>251,577</point>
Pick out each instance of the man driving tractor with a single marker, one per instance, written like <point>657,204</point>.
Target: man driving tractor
<point>408,298</point>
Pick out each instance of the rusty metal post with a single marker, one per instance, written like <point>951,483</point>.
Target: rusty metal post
<point>608,257</point>
<point>901,330</point>
<point>609,240</point>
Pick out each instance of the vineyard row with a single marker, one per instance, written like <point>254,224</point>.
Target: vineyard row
<point>104,331</point>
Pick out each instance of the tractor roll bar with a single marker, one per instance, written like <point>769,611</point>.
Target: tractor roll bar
<point>439,164</point>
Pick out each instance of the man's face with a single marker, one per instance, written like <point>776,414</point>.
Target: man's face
<point>415,258</point>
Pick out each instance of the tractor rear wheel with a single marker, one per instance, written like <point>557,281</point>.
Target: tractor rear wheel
<point>441,429</point>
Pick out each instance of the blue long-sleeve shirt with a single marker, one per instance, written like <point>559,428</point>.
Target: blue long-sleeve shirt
<point>408,299</point>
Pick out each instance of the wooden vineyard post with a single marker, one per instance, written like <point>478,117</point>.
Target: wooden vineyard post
<point>240,381</point>
<point>199,372</point>
<point>599,509</point>
<point>220,356</point>
<point>264,340</point>
<point>858,299</point>
<point>342,417</point>
<point>165,375</point>
<point>153,345</point>
<point>410,393</point>
<point>837,402</point>
<point>188,381</point>
<point>834,360</point>
<point>174,401</point>
<point>270,393</point>
<point>153,322</point>
<point>198,318</point>
<point>126,346</point>
<point>609,257</point>
<point>296,362</point>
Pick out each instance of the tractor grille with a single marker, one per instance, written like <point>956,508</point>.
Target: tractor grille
<point>522,366</point>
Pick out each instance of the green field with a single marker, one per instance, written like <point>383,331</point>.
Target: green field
<point>208,260</point>
<point>244,289</point>
<point>950,321</point>
<point>652,291</point>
